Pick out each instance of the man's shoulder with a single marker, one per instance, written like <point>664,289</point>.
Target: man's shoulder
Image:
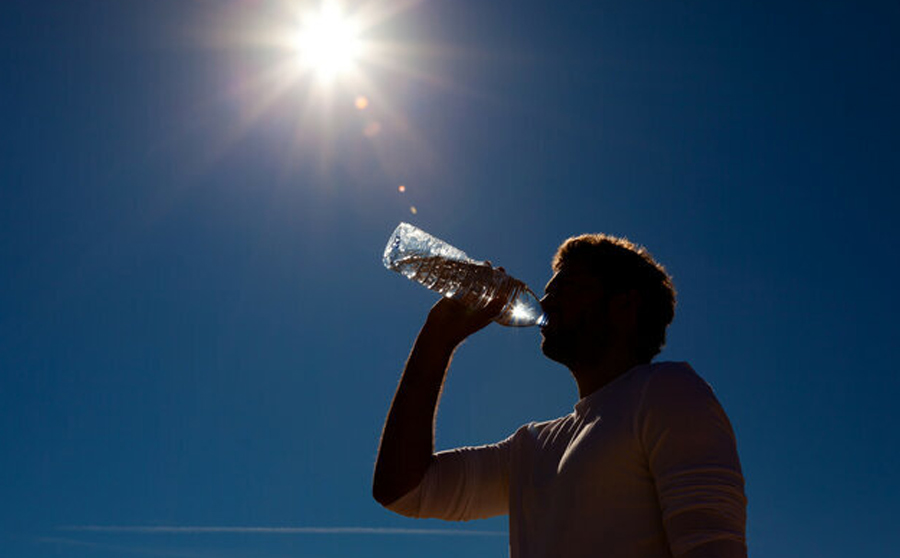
<point>535,431</point>
<point>667,374</point>
<point>674,384</point>
<point>669,367</point>
<point>541,426</point>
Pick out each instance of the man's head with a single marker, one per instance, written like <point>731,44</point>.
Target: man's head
<point>605,292</point>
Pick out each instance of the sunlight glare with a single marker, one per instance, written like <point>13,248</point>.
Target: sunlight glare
<point>520,312</point>
<point>314,61</point>
<point>329,41</point>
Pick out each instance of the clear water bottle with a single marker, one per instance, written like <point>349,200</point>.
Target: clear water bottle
<point>439,266</point>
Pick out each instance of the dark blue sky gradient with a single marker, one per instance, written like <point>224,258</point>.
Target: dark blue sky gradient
<point>196,330</point>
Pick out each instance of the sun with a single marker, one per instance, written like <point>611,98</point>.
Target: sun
<point>328,42</point>
<point>331,67</point>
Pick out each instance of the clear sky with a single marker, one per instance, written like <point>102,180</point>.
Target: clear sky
<point>197,337</point>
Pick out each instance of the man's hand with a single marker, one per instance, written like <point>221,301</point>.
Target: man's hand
<point>452,321</point>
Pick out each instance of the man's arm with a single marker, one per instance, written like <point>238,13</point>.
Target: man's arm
<point>717,549</point>
<point>693,458</point>
<point>407,442</point>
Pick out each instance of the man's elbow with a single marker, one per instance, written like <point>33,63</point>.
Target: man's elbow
<point>382,494</point>
<point>390,484</point>
<point>402,503</point>
<point>387,491</point>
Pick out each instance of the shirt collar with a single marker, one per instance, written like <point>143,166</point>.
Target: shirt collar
<point>595,399</point>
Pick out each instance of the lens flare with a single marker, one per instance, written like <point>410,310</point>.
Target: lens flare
<point>372,129</point>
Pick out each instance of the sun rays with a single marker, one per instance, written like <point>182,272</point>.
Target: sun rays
<point>310,63</point>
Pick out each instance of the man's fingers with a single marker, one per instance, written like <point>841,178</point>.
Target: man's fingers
<point>493,309</point>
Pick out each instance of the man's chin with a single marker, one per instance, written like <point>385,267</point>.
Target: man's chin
<point>551,350</point>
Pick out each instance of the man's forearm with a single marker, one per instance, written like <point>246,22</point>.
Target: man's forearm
<point>407,442</point>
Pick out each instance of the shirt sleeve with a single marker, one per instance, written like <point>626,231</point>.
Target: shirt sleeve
<point>693,458</point>
<point>462,484</point>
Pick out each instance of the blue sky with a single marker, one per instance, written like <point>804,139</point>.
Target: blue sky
<point>196,330</point>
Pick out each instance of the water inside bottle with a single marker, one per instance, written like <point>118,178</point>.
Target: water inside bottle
<point>446,269</point>
<point>475,285</point>
<point>448,277</point>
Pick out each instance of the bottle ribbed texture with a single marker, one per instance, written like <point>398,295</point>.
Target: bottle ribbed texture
<point>447,270</point>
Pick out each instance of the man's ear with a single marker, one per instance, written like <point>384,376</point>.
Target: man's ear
<point>623,309</point>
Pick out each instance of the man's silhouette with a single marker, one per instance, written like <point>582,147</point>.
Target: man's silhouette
<point>644,467</point>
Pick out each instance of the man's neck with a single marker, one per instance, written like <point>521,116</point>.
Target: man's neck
<point>593,377</point>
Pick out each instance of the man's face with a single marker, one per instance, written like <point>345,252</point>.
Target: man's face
<point>577,322</point>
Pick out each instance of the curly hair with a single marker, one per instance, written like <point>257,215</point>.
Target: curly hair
<point>622,265</point>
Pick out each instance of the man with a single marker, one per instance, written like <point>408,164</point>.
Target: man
<point>645,466</point>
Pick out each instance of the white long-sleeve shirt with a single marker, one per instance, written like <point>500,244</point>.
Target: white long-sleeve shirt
<point>606,480</point>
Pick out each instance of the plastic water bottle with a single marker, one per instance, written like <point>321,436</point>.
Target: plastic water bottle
<point>439,266</point>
